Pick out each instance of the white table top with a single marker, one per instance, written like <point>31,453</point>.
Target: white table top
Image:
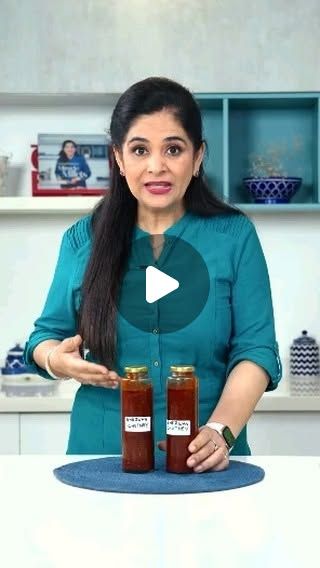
<point>47,524</point>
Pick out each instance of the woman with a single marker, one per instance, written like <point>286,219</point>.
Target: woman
<point>158,189</point>
<point>72,169</point>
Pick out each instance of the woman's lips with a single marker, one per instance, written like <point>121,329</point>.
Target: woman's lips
<point>158,188</point>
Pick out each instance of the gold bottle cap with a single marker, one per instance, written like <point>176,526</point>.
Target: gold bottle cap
<point>136,369</point>
<point>182,368</point>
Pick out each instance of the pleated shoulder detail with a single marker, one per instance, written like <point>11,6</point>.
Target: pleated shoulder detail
<point>233,225</point>
<point>80,233</point>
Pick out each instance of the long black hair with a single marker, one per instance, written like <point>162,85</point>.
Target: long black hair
<point>114,218</point>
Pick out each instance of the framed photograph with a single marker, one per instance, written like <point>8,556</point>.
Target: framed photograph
<point>70,164</point>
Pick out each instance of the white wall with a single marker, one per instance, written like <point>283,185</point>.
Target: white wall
<point>105,45</point>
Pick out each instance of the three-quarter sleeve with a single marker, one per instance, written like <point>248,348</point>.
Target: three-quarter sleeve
<point>253,336</point>
<point>58,318</point>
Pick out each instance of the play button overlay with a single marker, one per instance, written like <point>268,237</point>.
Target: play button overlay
<point>163,289</point>
<point>158,284</point>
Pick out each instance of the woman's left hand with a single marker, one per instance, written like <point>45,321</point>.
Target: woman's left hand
<point>209,451</point>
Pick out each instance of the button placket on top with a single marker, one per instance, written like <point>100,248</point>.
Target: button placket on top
<point>155,360</point>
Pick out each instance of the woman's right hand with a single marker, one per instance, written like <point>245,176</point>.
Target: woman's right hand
<point>66,361</point>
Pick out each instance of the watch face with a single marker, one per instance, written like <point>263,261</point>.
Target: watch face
<point>228,436</point>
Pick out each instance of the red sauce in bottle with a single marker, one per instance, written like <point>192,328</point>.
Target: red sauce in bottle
<point>136,420</point>
<point>182,416</point>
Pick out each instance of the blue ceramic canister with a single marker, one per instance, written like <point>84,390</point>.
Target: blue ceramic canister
<point>304,366</point>
<point>14,364</point>
<point>19,379</point>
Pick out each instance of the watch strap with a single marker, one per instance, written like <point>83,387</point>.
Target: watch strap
<point>219,428</point>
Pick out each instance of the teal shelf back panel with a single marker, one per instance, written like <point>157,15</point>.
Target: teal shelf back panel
<point>225,155</point>
<point>212,117</point>
<point>317,150</point>
<point>272,102</point>
<point>280,131</point>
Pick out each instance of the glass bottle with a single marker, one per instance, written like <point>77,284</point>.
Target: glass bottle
<point>182,416</point>
<point>136,420</point>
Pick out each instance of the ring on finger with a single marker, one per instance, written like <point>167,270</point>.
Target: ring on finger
<point>215,445</point>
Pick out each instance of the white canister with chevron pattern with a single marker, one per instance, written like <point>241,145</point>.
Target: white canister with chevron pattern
<point>304,366</point>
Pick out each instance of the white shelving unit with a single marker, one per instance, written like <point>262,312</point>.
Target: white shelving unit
<point>48,205</point>
<point>22,116</point>
<point>84,204</point>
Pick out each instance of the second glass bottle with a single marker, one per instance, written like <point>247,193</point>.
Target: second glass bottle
<point>182,416</point>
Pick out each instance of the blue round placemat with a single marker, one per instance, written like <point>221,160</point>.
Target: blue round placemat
<point>105,474</point>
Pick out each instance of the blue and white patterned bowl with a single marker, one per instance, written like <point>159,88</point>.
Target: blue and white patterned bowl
<point>272,189</point>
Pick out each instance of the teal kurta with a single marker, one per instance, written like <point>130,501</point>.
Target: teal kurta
<point>236,324</point>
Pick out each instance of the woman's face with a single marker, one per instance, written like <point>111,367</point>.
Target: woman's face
<point>158,160</point>
<point>69,150</point>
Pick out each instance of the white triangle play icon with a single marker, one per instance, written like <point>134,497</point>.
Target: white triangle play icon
<point>158,284</point>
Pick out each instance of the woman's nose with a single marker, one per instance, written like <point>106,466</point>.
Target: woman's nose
<point>156,164</point>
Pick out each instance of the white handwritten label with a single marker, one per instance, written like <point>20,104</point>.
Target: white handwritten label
<point>137,423</point>
<point>178,427</point>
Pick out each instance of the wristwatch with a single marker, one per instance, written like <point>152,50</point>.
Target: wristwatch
<point>224,431</point>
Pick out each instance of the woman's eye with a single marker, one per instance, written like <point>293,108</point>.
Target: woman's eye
<point>139,150</point>
<point>174,150</point>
